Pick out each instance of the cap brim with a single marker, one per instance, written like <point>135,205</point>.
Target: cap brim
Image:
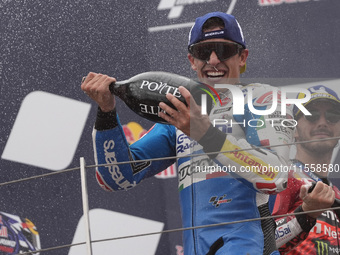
<point>314,100</point>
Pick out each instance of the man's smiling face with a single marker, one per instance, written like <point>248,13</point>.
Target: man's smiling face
<point>214,70</point>
<point>319,128</point>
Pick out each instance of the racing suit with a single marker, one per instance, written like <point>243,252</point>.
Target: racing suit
<point>302,234</point>
<point>212,187</point>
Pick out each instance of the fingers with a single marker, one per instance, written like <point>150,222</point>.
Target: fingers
<point>166,117</point>
<point>186,94</point>
<point>187,118</point>
<point>86,79</point>
<point>304,191</point>
<point>180,108</point>
<point>96,86</point>
<point>169,114</point>
<point>95,83</point>
<point>188,98</point>
<point>179,116</point>
<point>322,197</point>
<point>323,190</point>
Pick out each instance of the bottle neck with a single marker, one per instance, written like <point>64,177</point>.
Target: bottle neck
<point>117,88</point>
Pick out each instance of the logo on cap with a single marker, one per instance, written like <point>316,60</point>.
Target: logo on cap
<point>317,92</point>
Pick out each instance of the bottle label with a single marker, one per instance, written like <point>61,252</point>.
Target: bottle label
<point>160,87</point>
<point>150,109</point>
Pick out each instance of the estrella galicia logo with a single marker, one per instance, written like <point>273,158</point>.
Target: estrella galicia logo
<point>217,201</point>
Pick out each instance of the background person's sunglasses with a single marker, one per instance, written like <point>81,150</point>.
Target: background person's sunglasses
<point>331,116</point>
<point>223,50</point>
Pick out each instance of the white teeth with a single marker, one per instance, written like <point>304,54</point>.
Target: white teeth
<point>215,73</point>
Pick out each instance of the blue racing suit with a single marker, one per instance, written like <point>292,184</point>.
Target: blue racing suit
<point>215,188</point>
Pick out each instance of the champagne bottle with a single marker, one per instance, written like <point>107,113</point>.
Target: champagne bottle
<point>143,93</point>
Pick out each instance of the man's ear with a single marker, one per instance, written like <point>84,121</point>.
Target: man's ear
<point>243,57</point>
<point>192,62</point>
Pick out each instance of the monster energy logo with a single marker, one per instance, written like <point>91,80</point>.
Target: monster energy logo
<point>322,248</point>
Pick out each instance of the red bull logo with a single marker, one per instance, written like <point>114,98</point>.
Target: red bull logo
<point>133,131</point>
<point>170,172</point>
<point>179,250</point>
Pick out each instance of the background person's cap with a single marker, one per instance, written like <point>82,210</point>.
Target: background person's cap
<point>318,92</point>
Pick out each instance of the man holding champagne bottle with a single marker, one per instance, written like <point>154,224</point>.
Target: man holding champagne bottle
<point>315,232</point>
<point>217,52</point>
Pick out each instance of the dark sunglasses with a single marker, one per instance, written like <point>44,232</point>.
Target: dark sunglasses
<point>223,50</point>
<point>331,116</point>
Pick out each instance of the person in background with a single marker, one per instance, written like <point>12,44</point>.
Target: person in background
<point>315,232</point>
<point>218,54</point>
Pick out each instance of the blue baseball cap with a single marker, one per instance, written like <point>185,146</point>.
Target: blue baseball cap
<point>318,92</point>
<point>232,30</point>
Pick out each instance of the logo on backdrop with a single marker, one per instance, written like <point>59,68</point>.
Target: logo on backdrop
<point>176,6</point>
<point>276,2</point>
<point>133,131</point>
<point>56,127</point>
